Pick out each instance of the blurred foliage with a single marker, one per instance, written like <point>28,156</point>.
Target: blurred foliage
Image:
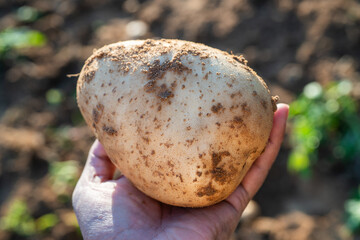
<point>60,138</point>
<point>352,209</point>
<point>327,118</point>
<point>18,219</point>
<point>63,177</point>
<point>27,14</point>
<point>19,37</point>
<point>46,222</point>
<point>54,96</point>
<point>324,118</point>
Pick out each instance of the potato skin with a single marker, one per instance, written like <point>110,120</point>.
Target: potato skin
<point>182,121</point>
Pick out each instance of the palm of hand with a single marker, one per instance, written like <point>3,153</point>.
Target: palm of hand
<point>115,209</point>
<point>133,215</point>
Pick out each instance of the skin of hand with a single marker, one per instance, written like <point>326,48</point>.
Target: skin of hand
<point>115,209</point>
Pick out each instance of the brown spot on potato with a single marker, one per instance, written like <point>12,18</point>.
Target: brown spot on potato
<point>217,157</point>
<point>208,190</point>
<point>190,141</point>
<point>97,113</point>
<point>157,71</point>
<point>245,108</point>
<point>219,174</point>
<point>199,173</point>
<point>264,104</point>
<point>109,130</point>
<point>247,154</point>
<point>158,173</point>
<point>89,75</point>
<point>164,93</point>
<point>206,77</point>
<point>217,108</point>
<point>100,107</point>
<point>149,86</point>
<point>238,93</point>
<point>243,166</point>
<point>170,164</point>
<point>238,120</point>
<point>180,177</point>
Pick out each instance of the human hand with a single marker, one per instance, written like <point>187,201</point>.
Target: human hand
<point>115,209</point>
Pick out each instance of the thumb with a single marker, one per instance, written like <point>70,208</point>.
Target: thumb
<point>99,167</point>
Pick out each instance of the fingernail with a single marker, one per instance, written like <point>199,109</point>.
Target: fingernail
<point>97,179</point>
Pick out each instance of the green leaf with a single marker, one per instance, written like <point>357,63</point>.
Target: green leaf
<point>27,14</point>
<point>20,37</point>
<point>54,96</point>
<point>63,175</point>
<point>46,222</point>
<point>352,208</point>
<point>299,161</point>
<point>18,219</point>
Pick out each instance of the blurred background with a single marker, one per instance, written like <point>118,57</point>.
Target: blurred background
<point>307,51</point>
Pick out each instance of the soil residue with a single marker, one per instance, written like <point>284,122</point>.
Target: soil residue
<point>208,190</point>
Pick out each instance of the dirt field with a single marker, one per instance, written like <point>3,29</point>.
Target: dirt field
<point>288,42</point>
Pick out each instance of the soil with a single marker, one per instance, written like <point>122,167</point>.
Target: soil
<point>287,42</point>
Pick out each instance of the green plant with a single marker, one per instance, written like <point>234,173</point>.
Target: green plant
<point>18,219</point>
<point>327,118</point>
<point>352,210</point>
<point>324,118</point>
<point>20,37</point>
<point>54,96</point>
<point>27,14</point>
<point>46,222</point>
<point>63,177</point>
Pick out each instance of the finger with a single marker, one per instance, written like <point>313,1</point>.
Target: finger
<point>99,167</point>
<point>257,173</point>
<point>239,199</point>
<point>259,170</point>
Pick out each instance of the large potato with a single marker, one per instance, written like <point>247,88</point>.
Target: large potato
<point>182,121</point>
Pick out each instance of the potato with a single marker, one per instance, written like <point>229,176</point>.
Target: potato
<point>182,121</point>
